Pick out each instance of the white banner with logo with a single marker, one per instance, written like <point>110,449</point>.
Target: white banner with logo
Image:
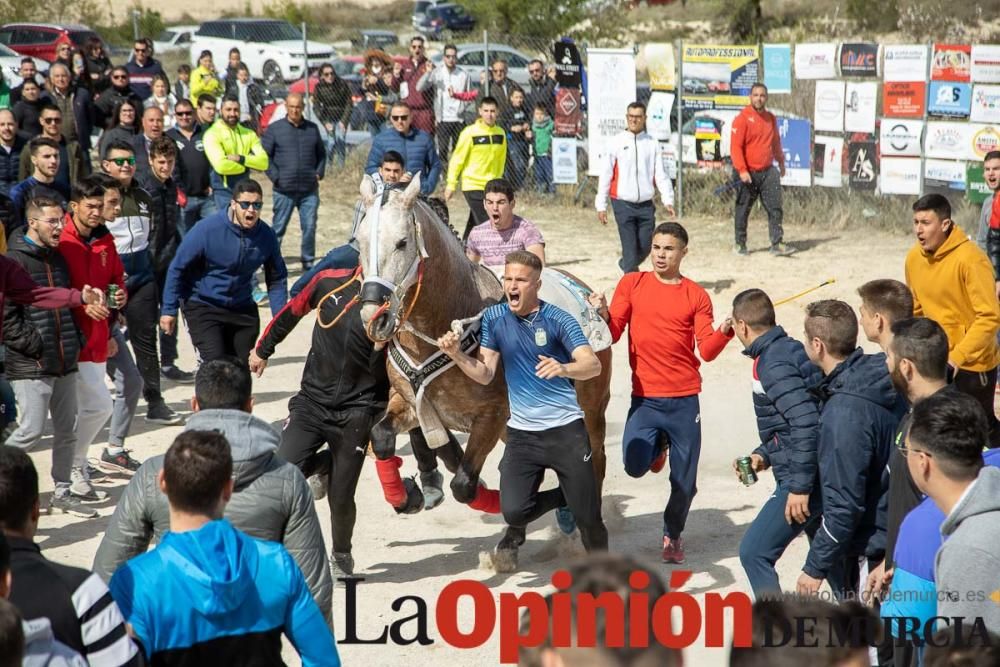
<point>658,114</point>
<point>985,63</point>
<point>948,141</point>
<point>815,61</point>
<point>945,172</point>
<point>860,102</point>
<point>985,104</point>
<point>906,62</point>
<point>982,139</point>
<point>828,159</point>
<point>564,160</point>
<point>899,176</point>
<point>829,113</point>
<point>900,137</point>
<point>612,72</point>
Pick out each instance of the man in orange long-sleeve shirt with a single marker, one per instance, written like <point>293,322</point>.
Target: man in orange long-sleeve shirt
<point>665,314</point>
<point>755,146</point>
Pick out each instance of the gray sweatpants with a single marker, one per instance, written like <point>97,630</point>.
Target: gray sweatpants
<point>37,399</point>
<point>128,388</point>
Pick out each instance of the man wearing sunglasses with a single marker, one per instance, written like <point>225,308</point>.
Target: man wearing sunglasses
<point>120,90</point>
<point>142,67</point>
<point>449,83</point>
<point>407,81</point>
<point>72,163</point>
<point>213,270</point>
<point>501,87</point>
<point>541,88</point>
<point>416,147</point>
<point>192,165</point>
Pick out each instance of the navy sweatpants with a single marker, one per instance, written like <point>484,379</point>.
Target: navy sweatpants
<point>680,420</point>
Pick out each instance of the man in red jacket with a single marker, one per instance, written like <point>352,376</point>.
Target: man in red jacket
<point>755,147</point>
<point>89,250</point>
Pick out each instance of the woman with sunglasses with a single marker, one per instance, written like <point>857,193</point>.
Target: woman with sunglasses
<point>125,125</point>
<point>333,104</point>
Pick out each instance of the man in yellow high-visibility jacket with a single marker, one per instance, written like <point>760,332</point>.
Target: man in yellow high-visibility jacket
<point>480,155</point>
<point>232,150</point>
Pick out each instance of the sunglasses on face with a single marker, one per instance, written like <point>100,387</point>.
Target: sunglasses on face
<point>49,121</point>
<point>119,76</point>
<point>122,161</point>
<point>180,114</point>
<point>400,117</point>
<point>326,74</point>
<point>246,205</point>
<point>142,50</point>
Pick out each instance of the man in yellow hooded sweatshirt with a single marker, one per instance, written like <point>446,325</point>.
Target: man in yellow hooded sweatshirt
<point>952,283</point>
<point>232,150</point>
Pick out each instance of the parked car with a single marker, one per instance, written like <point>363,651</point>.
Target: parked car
<point>470,57</point>
<point>272,49</point>
<point>420,8</point>
<point>374,39</point>
<point>10,63</point>
<point>39,40</point>
<point>445,17</point>
<point>175,38</point>
<point>276,111</point>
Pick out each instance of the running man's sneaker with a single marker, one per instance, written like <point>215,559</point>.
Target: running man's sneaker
<point>781,250</point>
<point>565,520</point>
<point>175,374</point>
<point>81,489</point>
<point>67,504</point>
<point>740,249</point>
<point>673,550</point>
<point>121,462</point>
<point>341,564</point>
<point>160,413</point>
<point>259,296</point>
<point>663,443</point>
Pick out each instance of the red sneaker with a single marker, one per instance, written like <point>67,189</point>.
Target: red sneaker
<point>673,551</point>
<point>658,462</point>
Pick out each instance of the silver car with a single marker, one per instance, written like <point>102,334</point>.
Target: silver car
<point>470,58</point>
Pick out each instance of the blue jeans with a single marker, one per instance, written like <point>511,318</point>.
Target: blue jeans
<point>336,144</point>
<point>678,419</point>
<point>768,537</point>
<point>197,208</point>
<point>635,228</point>
<point>341,257</point>
<point>517,163</point>
<point>543,174</point>
<point>307,204</point>
<point>222,188</point>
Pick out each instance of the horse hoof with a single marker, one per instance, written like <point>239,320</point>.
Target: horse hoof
<point>464,487</point>
<point>431,482</point>
<point>565,520</point>
<point>505,560</point>
<point>414,498</point>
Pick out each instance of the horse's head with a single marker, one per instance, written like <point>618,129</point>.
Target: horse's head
<point>392,249</point>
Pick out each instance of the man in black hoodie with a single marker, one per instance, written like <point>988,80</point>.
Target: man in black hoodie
<point>858,419</point>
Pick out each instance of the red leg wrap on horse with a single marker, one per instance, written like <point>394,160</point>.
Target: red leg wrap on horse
<point>392,482</point>
<point>486,500</point>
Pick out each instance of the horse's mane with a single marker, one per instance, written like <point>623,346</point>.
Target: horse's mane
<point>450,236</point>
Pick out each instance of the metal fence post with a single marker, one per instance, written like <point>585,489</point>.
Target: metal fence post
<point>486,60</point>
<point>135,24</point>
<point>923,158</point>
<point>680,129</point>
<point>305,68</point>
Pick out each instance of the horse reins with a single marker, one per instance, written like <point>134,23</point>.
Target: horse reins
<point>350,304</point>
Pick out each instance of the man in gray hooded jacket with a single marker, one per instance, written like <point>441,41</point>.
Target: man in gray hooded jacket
<point>271,499</point>
<point>944,452</point>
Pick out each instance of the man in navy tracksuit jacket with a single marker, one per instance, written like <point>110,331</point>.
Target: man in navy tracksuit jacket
<point>858,419</point>
<point>213,273</point>
<point>788,424</point>
<point>416,147</point>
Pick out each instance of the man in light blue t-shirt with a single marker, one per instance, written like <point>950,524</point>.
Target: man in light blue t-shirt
<point>542,348</point>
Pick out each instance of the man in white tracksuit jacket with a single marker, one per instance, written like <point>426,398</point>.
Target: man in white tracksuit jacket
<point>631,174</point>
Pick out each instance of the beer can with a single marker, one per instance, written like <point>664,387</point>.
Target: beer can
<point>747,474</point>
<point>110,294</point>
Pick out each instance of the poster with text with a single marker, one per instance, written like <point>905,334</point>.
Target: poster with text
<point>904,99</point>
<point>944,177</point>
<point>659,112</point>
<point>828,157</point>
<point>564,160</point>
<point>611,71</point>
<point>719,77</point>
<point>976,190</point>
<point>985,104</point>
<point>796,135</point>
<point>815,61</point>
<point>948,141</point>
<point>829,112</point>
<point>568,64</point>
<point>860,102</point>
<point>949,99</point>
<point>952,62</point>
<point>982,139</point>
<point>899,176</point>
<point>985,63</point>
<point>904,62</point>
<point>778,68</point>
<point>862,165</point>
<point>659,61</point>
<point>859,59</point>
<point>569,115</point>
<point>900,137</point>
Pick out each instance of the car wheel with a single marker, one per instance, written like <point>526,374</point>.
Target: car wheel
<point>272,74</point>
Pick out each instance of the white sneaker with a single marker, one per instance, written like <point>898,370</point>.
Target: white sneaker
<point>81,488</point>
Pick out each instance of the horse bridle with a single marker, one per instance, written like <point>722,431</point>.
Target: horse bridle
<point>377,290</point>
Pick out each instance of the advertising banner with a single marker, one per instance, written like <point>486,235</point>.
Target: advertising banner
<point>900,137</point>
<point>569,65</point>
<point>904,100</point>
<point>564,160</point>
<point>796,135</point>
<point>986,63</point>
<point>948,141</point>
<point>949,99</point>
<point>982,139</point>
<point>569,116</point>
<point>899,176</point>
<point>611,71</point>
<point>659,61</point>
<point>859,59</point>
<point>815,61</point>
<point>719,77</point>
<point>658,114</point>
<point>976,190</point>
<point>860,102</point>
<point>828,156</point>
<point>863,165</point>
<point>829,113</point>
<point>985,104</point>
<point>944,177</point>
<point>904,62</point>
<point>952,62</point>
<point>778,68</point>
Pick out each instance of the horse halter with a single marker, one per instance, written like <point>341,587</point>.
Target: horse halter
<point>378,290</point>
